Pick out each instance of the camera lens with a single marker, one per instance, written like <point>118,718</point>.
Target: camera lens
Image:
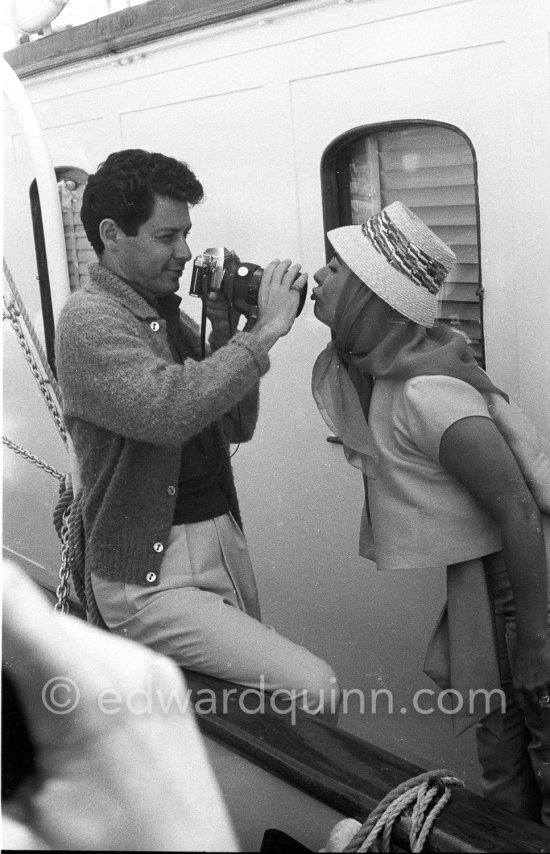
<point>239,281</point>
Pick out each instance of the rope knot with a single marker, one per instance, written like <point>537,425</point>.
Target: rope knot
<point>422,798</point>
<point>437,783</point>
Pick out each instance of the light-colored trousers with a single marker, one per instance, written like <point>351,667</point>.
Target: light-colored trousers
<point>204,615</point>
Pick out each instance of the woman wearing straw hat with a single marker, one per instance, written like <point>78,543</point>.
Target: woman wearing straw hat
<point>443,489</point>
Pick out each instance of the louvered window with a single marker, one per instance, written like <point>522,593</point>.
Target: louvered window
<point>79,251</point>
<point>431,169</point>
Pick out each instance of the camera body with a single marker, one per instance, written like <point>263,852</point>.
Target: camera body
<point>221,270</point>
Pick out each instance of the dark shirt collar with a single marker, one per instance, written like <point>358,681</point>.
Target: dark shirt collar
<point>169,308</point>
<point>169,305</point>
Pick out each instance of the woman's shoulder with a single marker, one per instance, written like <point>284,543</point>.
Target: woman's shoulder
<point>439,384</point>
<point>428,391</point>
<point>432,403</point>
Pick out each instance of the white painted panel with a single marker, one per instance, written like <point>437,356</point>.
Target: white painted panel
<point>70,144</point>
<point>257,800</point>
<point>404,90</point>
<point>227,142</point>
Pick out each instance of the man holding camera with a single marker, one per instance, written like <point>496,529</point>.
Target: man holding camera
<point>151,424</point>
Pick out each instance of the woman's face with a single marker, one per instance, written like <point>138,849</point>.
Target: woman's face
<point>332,281</point>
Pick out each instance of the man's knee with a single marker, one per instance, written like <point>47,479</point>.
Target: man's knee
<point>321,693</point>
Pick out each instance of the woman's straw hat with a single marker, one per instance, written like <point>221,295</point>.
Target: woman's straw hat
<point>399,258</point>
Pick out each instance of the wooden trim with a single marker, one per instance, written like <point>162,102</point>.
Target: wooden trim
<point>349,774</point>
<point>129,28</point>
<point>43,275</point>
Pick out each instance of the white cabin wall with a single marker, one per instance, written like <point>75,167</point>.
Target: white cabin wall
<point>252,106</point>
<point>528,82</point>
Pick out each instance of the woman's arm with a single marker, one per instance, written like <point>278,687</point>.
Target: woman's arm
<point>475,453</point>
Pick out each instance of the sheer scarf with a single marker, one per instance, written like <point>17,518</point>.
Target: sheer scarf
<point>374,340</point>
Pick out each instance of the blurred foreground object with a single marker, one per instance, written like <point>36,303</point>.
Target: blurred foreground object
<point>119,761</point>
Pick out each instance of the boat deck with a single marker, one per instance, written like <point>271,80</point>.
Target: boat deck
<point>350,775</point>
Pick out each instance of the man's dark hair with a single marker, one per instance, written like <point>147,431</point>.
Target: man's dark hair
<point>124,189</point>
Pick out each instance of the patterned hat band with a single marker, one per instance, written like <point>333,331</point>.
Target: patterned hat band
<point>404,255</point>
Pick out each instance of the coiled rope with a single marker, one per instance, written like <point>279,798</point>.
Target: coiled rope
<point>424,796</point>
<point>67,520</point>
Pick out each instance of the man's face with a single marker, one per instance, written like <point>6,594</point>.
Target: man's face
<point>332,281</point>
<point>154,259</point>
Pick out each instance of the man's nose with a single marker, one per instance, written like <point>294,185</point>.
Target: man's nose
<point>181,250</point>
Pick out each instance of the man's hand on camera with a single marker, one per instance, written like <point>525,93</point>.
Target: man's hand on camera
<point>278,300</point>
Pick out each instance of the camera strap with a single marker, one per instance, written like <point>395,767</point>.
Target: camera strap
<point>204,296</point>
<point>204,290</point>
<point>229,298</point>
<point>204,299</point>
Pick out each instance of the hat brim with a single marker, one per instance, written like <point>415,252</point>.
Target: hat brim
<point>355,249</point>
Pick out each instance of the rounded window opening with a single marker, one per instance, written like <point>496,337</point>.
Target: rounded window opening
<point>431,168</point>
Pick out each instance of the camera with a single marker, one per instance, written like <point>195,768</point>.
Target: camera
<point>238,281</point>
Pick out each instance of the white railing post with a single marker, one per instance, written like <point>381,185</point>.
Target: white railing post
<point>52,219</point>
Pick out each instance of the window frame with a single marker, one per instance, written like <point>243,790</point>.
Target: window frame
<point>43,274</point>
<point>337,198</point>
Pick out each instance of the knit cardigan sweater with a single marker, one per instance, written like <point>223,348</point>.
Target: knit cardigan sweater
<point>129,408</point>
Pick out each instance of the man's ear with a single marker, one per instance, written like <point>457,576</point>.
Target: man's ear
<point>110,233</point>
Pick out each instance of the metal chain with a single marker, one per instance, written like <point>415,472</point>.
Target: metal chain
<point>30,328</point>
<point>27,455</point>
<point>64,587</point>
<point>12,313</point>
<point>13,309</point>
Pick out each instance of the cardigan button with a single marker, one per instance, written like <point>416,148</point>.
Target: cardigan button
<point>158,547</point>
<point>150,577</point>
<point>171,490</point>
<point>155,325</point>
